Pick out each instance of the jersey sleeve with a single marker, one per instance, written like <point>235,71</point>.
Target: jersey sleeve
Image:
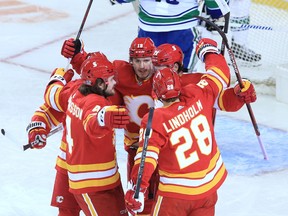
<point>217,71</point>
<point>77,61</point>
<point>90,123</point>
<point>47,115</point>
<point>228,101</point>
<point>57,94</point>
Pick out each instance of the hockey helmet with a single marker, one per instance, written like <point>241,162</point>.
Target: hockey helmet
<point>97,55</point>
<point>93,68</point>
<point>166,84</point>
<point>141,48</point>
<point>167,55</point>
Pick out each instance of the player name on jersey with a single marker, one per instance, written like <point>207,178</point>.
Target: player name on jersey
<point>75,110</point>
<point>183,117</point>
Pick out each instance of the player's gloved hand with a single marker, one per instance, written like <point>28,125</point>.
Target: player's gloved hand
<point>113,117</point>
<point>71,47</point>
<point>59,74</point>
<point>246,94</point>
<point>134,205</point>
<point>204,46</point>
<point>37,134</point>
<point>220,22</point>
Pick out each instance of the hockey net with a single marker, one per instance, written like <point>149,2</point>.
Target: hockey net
<point>267,39</point>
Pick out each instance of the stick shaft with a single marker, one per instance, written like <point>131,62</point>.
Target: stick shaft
<point>84,19</point>
<point>146,140</point>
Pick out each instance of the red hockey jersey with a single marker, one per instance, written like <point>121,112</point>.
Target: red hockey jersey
<point>135,95</point>
<point>183,143</point>
<point>90,153</point>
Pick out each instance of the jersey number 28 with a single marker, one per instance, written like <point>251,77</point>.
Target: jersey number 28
<point>200,129</point>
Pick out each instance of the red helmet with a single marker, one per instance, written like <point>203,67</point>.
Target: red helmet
<point>166,84</point>
<point>141,48</point>
<point>94,67</point>
<point>98,55</point>
<point>167,55</point>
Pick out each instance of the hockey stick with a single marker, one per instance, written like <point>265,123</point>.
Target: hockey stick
<point>55,130</point>
<point>81,27</point>
<point>143,156</point>
<point>259,27</point>
<point>238,76</point>
<point>8,136</point>
<point>84,19</point>
<point>25,147</point>
<point>226,26</point>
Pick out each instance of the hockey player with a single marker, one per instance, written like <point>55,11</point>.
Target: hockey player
<point>43,120</point>
<point>174,22</point>
<point>49,116</point>
<point>182,142</point>
<point>170,55</point>
<point>134,94</point>
<point>91,163</point>
<point>133,90</point>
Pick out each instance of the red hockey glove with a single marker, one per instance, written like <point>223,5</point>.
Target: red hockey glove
<point>113,117</point>
<point>134,205</point>
<point>246,94</point>
<point>59,74</point>
<point>71,47</point>
<point>37,134</point>
<point>204,46</point>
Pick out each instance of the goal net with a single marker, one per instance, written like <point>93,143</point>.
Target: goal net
<point>259,41</point>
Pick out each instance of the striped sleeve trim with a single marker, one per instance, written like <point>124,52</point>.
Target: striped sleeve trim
<point>52,97</point>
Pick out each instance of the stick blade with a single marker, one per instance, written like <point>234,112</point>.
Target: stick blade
<point>27,146</point>
<point>3,132</point>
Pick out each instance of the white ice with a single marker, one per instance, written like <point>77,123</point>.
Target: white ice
<point>30,50</point>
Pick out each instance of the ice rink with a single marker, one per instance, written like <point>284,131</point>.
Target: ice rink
<point>32,33</point>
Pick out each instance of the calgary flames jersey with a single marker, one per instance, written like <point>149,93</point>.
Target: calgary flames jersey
<point>90,152</point>
<point>135,95</point>
<point>183,143</point>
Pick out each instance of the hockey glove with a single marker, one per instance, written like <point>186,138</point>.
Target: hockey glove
<point>247,94</point>
<point>113,117</point>
<point>204,46</point>
<point>37,134</point>
<point>134,205</point>
<point>71,47</point>
<point>59,74</point>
